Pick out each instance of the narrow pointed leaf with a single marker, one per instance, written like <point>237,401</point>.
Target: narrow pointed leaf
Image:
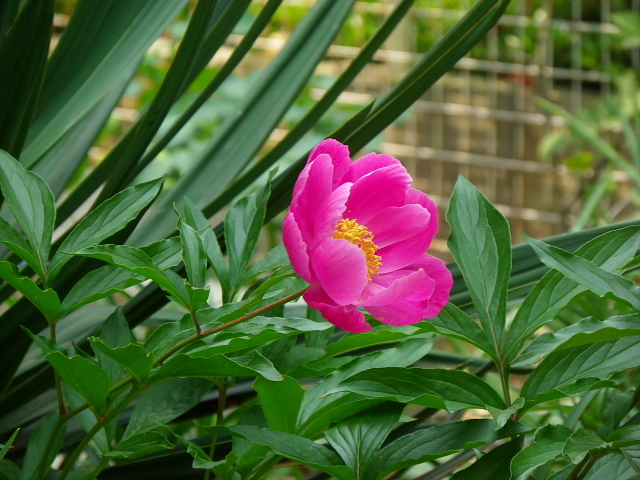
<point>37,445</point>
<point>32,204</point>
<point>5,448</point>
<point>480,242</point>
<point>596,279</point>
<point>193,255</point>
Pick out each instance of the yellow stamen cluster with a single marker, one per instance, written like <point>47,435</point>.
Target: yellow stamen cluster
<point>359,235</point>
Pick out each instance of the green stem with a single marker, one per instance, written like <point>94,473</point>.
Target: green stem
<point>195,321</point>
<point>211,331</point>
<point>54,433</point>
<point>222,400</point>
<point>95,429</point>
<point>62,410</point>
<point>503,370</point>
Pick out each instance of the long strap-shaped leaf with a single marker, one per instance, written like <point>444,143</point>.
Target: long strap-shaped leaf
<point>246,130</point>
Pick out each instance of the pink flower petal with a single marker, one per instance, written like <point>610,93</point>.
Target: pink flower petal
<point>402,253</point>
<point>341,160</point>
<point>341,269</point>
<point>398,314</point>
<point>417,197</point>
<point>296,248</point>
<point>386,187</point>
<point>402,284</point>
<point>370,162</point>
<point>330,213</point>
<point>346,317</point>
<point>394,224</point>
<point>443,281</point>
<point>312,196</point>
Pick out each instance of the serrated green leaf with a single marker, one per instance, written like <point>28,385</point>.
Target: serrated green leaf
<point>359,438</point>
<point>480,243</point>
<point>106,219</point>
<point>298,449</point>
<point>193,255</point>
<point>44,300</point>
<point>584,332</point>
<point>495,465</point>
<point>32,204</point>
<point>581,442</point>
<point>554,291</point>
<point>185,365</point>
<point>164,402</point>
<point>440,440</point>
<point>134,358</point>
<point>584,272</point>
<point>87,378</point>
<point>451,390</point>
<point>280,402</point>
<point>561,372</point>
<point>548,444</point>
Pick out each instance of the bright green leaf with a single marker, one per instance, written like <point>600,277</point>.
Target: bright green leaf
<point>548,444</point>
<point>193,256</point>
<point>134,358</point>
<point>280,402</point>
<point>45,300</point>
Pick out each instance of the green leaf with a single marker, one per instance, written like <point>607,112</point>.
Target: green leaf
<point>23,56</point>
<point>137,261</point>
<point>193,256</point>
<point>114,332</point>
<point>38,442</point>
<point>44,343</point>
<point>580,443</point>
<point>584,332</point>
<point>105,281</point>
<point>242,226</point>
<point>87,63</point>
<point>44,300</point>
<point>32,204</point>
<point>611,250</point>
<point>625,437</point>
<point>140,444</point>
<point>194,218</point>
<point>87,420</point>
<point>319,408</point>
<point>574,370</point>
<point>450,390</point>
<point>164,402</point>
<point>615,412</point>
<point>440,440</point>
<point>188,365</point>
<point>495,465</point>
<point>454,323</point>
<point>298,449</point>
<point>359,438</point>
<point>480,241</point>
<point>611,466</point>
<point>12,239</point>
<point>5,448</point>
<point>108,218</point>
<point>134,358</point>
<point>584,272</point>
<point>276,258</point>
<point>380,335</point>
<point>84,376</point>
<point>548,444</point>
<point>280,402</point>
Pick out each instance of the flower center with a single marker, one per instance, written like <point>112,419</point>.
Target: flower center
<point>359,235</point>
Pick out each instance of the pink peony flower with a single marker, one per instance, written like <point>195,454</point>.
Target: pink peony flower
<point>359,235</point>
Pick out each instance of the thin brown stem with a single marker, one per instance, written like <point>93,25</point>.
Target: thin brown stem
<point>195,321</point>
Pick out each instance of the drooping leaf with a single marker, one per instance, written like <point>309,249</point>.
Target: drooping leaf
<point>611,250</point>
<point>438,441</point>
<point>436,388</point>
<point>575,370</point>
<point>584,272</point>
<point>10,237</point>
<point>480,241</point>
<point>84,376</point>
<point>358,438</point>
<point>45,300</point>
<point>584,332</point>
<point>105,220</point>
<point>548,444</point>
<point>280,402</point>
<point>298,449</point>
<point>140,444</point>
